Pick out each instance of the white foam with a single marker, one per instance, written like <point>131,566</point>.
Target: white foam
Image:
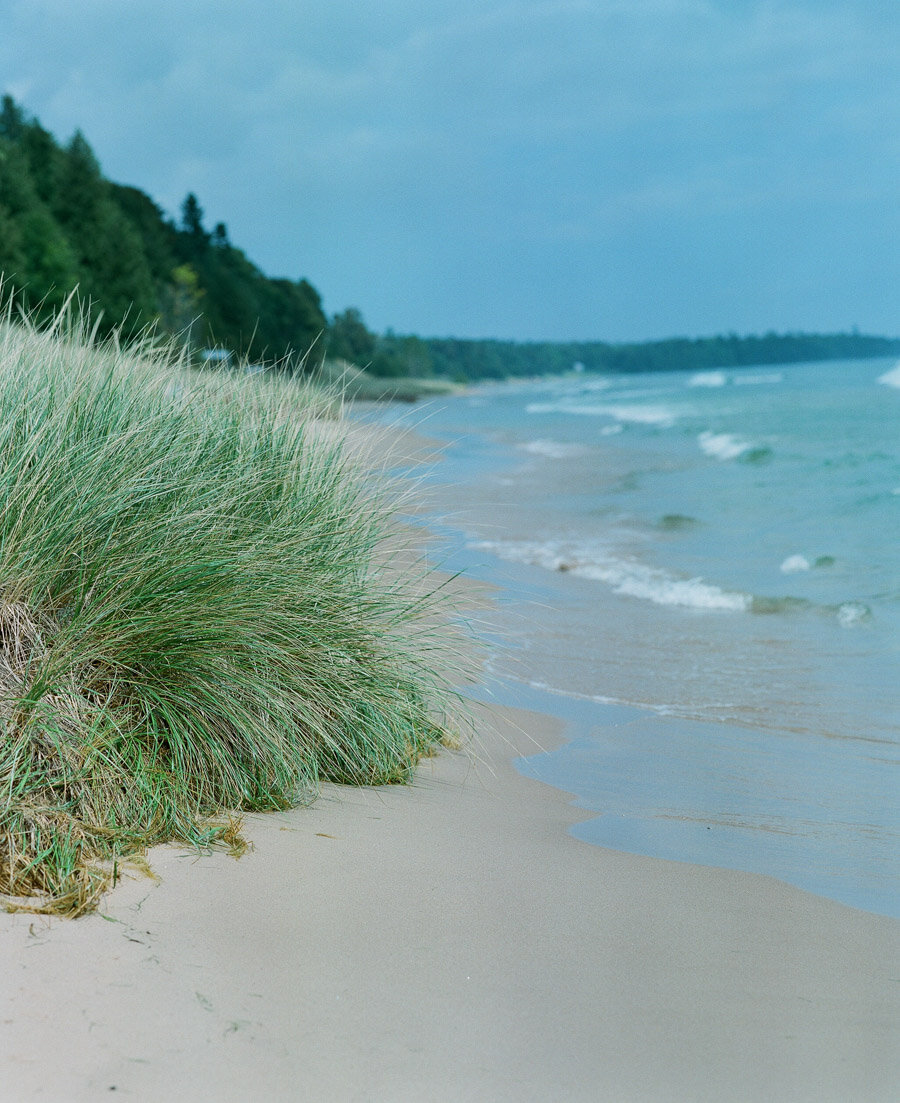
<point>757,378</point>
<point>852,613</point>
<point>708,379</point>
<point>662,589</point>
<point>891,378</point>
<point>624,576</point>
<point>639,415</point>
<point>722,446</point>
<point>795,563</point>
<point>611,430</point>
<point>551,449</point>
<point>601,384</point>
<point>642,415</point>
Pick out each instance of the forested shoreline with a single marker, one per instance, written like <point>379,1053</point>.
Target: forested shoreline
<point>64,226</point>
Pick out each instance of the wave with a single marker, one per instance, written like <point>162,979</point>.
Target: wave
<point>663,589</point>
<point>726,446</point>
<point>640,415</point>
<point>631,578</point>
<point>757,378</point>
<point>708,379</point>
<point>891,378</point>
<point>799,562</point>
<point>625,576</point>
<point>852,613</point>
<point>551,449</point>
<point>592,385</point>
<point>723,446</point>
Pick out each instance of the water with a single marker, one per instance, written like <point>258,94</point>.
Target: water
<point>701,572</point>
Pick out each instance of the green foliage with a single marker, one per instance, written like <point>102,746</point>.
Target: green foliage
<point>195,617</point>
<point>115,275</point>
<point>62,225</point>
<point>386,357</point>
<point>454,358</point>
<point>181,303</point>
<point>350,340</point>
<point>192,223</point>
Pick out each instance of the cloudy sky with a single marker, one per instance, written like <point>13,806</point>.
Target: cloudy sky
<point>615,169</point>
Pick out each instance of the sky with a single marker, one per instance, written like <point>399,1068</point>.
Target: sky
<point>525,169</point>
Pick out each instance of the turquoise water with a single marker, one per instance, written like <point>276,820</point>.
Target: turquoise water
<point>701,573</point>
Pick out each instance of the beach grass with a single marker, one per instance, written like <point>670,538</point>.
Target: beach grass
<point>197,618</point>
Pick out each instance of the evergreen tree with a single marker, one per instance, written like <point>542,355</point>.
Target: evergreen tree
<point>195,238</point>
<point>115,276</point>
<point>12,120</point>
<point>349,339</point>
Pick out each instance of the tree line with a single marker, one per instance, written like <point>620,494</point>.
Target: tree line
<point>63,226</point>
<point>467,359</point>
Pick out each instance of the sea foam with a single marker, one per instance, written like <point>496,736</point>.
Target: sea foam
<point>551,449</point>
<point>852,613</point>
<point>708,379</point>
<point>624,576</point>
<point>757,379</point>
<point>639,415</point>
<point>891,378</point>
<point>722,446</point>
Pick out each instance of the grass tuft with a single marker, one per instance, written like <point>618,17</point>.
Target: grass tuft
<point>196,619</point>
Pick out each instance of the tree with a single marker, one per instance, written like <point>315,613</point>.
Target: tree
<point>192,219</point>
<point>349,339</point>
<point>181,306</point>
<point>114,274</point>
<point>12,119</point>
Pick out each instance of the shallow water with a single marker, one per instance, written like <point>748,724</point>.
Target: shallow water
<point>717,551</point>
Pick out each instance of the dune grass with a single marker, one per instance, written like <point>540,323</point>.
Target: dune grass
<point>195,620</point>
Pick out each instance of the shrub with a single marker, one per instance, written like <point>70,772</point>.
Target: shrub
<point>194,618</point>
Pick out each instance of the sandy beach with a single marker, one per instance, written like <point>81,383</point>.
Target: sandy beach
<point>449,941</point>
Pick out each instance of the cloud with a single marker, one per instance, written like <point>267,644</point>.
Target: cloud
<point>331,137</point>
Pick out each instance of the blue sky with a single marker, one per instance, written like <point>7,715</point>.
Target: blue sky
<point>529,169</point>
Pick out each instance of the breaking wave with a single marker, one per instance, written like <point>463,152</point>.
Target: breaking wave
<point>708,379</point>
<point>632,578</point>
<point>639,415</point>
<point>551,449</point>
<point>623,576</point>
<point>723,446</point>
<point>891,378</point>
<point>757,378</point>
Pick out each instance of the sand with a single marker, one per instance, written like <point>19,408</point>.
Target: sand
<point>449,941</point>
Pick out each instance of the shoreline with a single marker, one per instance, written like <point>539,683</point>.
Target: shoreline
<point>766,753</point>
<point>448,940</point>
